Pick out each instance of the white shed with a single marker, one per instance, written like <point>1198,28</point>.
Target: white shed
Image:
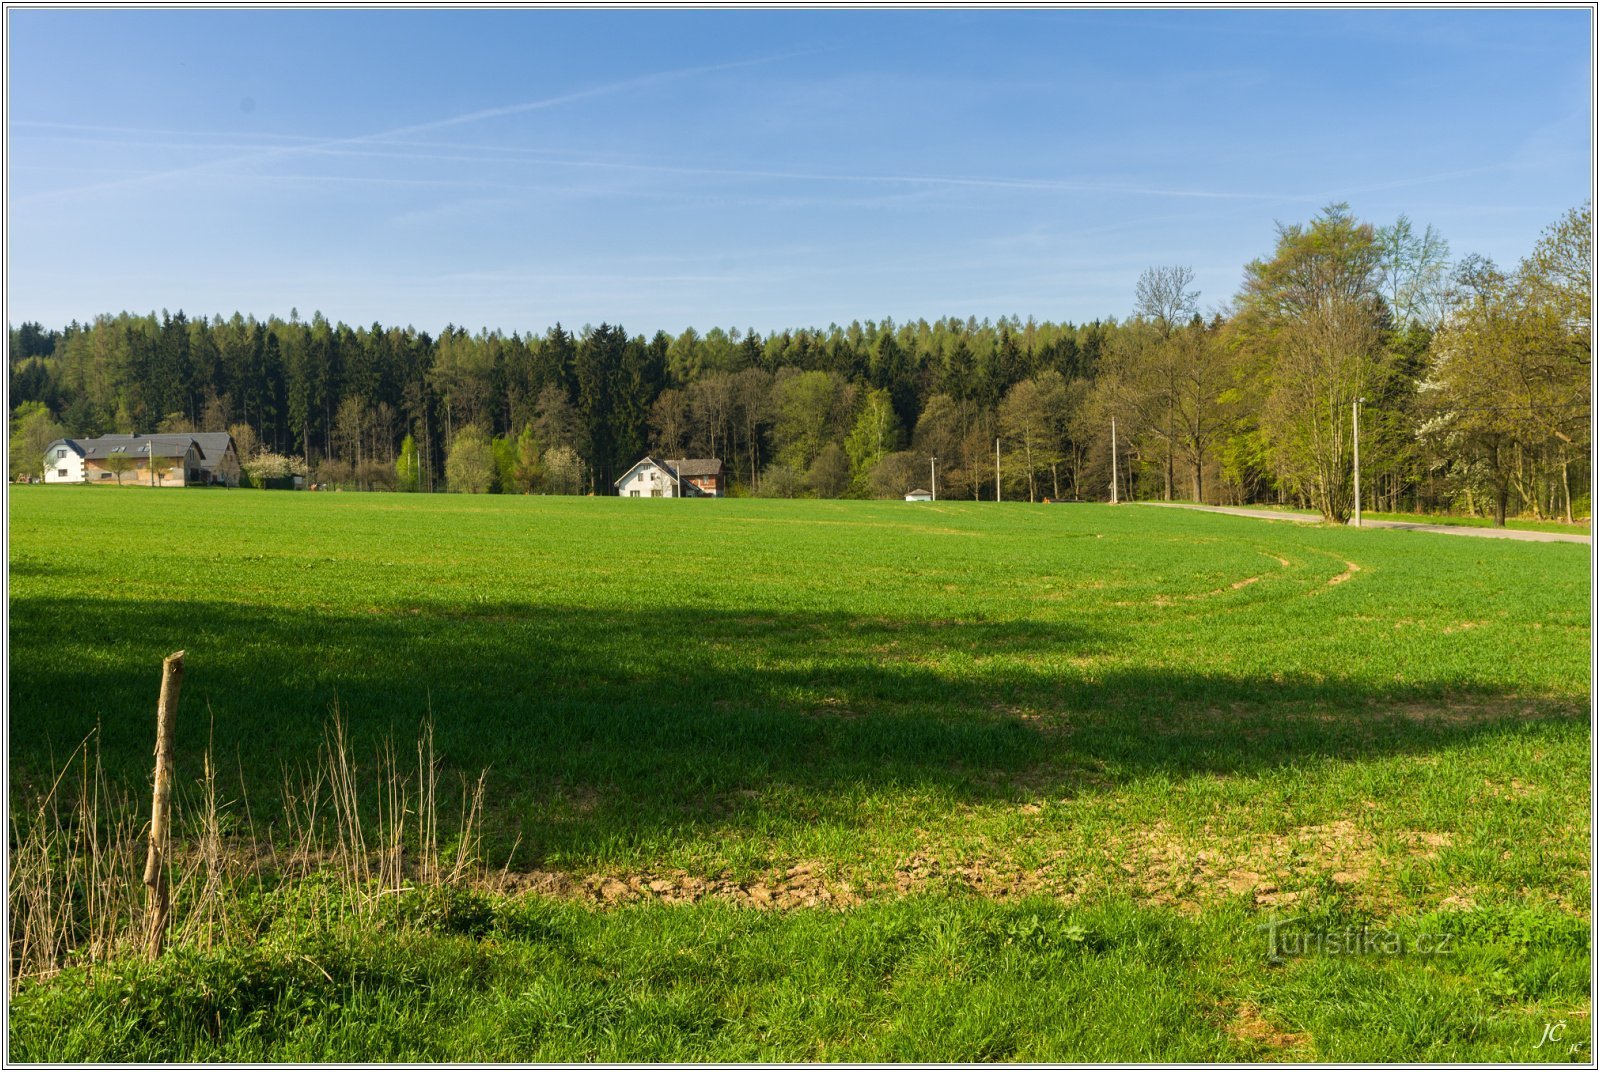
<point>919,495</point>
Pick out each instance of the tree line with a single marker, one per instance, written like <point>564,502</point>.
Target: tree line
<point>1470,385</point>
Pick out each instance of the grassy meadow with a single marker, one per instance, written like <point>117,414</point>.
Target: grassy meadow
<point>840,780</point>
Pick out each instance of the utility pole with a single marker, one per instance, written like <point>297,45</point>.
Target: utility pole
<point>996,468</point>
<point>1355,425</point>
<point>1113,461</point>
<point>933,476</point>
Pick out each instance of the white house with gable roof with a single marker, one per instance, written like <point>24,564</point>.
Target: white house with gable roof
<point>688,478</point>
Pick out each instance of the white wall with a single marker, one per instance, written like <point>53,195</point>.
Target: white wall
<point>72,463</point>
<point>649,482</point>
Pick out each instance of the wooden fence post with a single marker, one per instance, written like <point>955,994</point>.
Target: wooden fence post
<point>155,863</point>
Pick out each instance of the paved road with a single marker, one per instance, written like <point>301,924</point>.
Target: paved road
<point>1369,523</point>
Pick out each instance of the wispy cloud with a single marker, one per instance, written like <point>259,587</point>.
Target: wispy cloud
<point>273,153</point>
<point>393,144</point>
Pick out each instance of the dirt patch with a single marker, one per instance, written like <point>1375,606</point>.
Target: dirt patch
<point>982,876</point>
<point>1426,843</point>
<point>1515,789</point>
<point>1234,587</point>
<point>807,884</point>
<point>1474,713</point>
<point>1250,1026</point>
<point>804,885</point>
<point>1168,869</point>
<point>1350,570</point>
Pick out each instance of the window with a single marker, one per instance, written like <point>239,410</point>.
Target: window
<point>105,476</point>
<point>634,494</point>
<point>655,493</point>
<point>62,453</point>
<point>61,473</point>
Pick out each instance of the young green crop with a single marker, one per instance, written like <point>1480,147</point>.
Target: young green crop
<point>1203,718</point>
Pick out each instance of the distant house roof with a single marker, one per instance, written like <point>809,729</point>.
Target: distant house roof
<point>71,444</point>
<point>212,442</point>
<point>919,491</point>
<point>213,447</point>
<point>164,446</point>
<point>696,466</point>
<point>646,460</point>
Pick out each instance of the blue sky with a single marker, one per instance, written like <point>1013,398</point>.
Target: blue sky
<point>766,169</point>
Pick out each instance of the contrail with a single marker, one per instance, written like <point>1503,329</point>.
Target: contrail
<point>387,144</point>
<point>435,124</point>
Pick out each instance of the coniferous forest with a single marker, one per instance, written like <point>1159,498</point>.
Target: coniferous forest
<point>1471,381</point>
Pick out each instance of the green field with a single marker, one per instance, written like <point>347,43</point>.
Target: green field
<point>845,780</point>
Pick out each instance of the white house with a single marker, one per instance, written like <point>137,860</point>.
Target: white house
<point>651,478</point>
<point>918,495</point>
<point>63,462</point>
<point>688,478</point>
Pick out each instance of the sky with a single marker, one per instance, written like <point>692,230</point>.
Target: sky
<point>508,169</point>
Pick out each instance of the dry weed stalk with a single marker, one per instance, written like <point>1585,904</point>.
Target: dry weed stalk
<point>76,892</point>
<point>75,880</point>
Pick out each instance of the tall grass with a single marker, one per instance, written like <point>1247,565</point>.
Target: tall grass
<point>360,832</point>
<point>75,884</point>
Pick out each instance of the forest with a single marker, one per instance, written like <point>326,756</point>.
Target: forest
<point>1469,383</point>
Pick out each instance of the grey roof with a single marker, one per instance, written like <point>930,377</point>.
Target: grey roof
<point>138,446</point>
<point>647,459</point>
<point>919,491</point>
<point>213,446</point>
<point>696,466</point>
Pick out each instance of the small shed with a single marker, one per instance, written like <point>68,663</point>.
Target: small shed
<point>919,495</point>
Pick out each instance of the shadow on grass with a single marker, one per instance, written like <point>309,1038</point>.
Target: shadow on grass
<point>614,725</point>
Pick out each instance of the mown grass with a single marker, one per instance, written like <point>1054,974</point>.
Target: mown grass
<point>808,722</point>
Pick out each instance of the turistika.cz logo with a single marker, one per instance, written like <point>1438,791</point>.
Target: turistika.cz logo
<point>1284,940</point>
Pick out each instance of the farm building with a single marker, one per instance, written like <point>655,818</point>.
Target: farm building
<point>220,461</point>
<point>919,495</point>
<point>703,473</point>
<point>181,459</point>
<point>691,478</point>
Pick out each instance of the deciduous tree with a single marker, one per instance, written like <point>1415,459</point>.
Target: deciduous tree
<point>1315,312</point>
<point>470,465</point>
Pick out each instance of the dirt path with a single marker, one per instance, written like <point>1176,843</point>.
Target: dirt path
<point>1368,523</point>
